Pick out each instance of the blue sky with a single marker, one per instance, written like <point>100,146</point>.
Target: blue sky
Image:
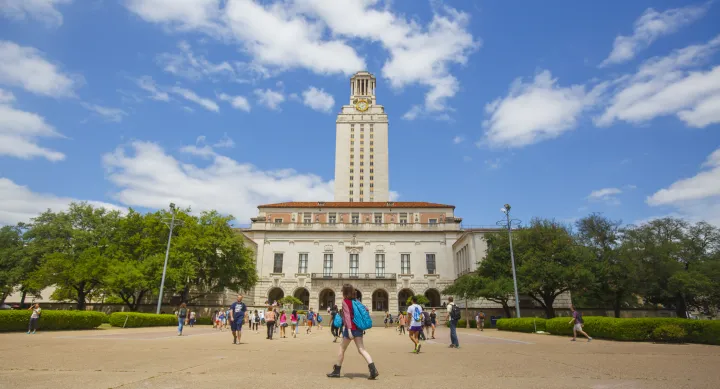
<point>560,111</point>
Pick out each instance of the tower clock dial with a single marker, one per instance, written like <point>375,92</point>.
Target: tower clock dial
<point>362,105</point>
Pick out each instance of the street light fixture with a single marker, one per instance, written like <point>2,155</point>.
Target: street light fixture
<point>506,210</point>
<point>172,223</point>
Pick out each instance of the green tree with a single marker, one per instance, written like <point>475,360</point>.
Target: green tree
<point>495,271</point>
<point>465,288</point>
<point>137,257</point>
<point>549,262</point>
<point>615,274</point>
<point>13,268</point>
<point>209,257</point>
<point>421,300</point>
<point>290,300</point>
<point>74,245</point>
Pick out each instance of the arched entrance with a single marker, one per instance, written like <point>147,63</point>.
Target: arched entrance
<point>358,295</point>
<point>380,301</point>
<point>303,295</point>
<point>403,295</point>
<point>434,296</point>
<point>327,299</point>
<point>275,294</point>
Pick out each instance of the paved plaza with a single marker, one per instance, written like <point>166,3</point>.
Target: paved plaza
<point>204,358</point>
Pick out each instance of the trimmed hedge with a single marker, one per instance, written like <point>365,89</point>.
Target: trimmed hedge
<point>523,324</point>
<point>203,320</point>
<point>462,323</point>
<point>51,320</point>
<point>640,329</point>
<point>135,319</point>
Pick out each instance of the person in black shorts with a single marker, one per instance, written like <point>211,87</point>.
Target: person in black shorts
<point>433,322</point>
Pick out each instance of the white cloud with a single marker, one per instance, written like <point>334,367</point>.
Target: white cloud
<point>196,67</point>
<point>535,111</point>
<point>189,95</point>
<point>393,195</point>
<point>269,98</point>
<point>669,85</point>
<point>238,102</point>
<point>225,142</point>
<point>147,84</point>
<point>203,151</point>
<point>19,204</point>
<point>413,113</point>
<point>19,131</point>
<point>696,197</point>
<point>225,184</point>
<point>607,195</point>
<point>493,164</point>
<point>318,99</point>
<point>26,67</point>
<point>107,113</point>
<point>458,139</point>
<point>42,10</point>
<point>649,27</point>
<point>314,35</point>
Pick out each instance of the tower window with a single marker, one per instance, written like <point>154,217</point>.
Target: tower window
<point>352,163</point>
<point>351,178</point>
<point>352,155</point>
<point>371,135</point>
<point>372,149</point>
<point>351,184</point>
<point>352,171</point>
<point>362,170</point>
<point>372,143</point>
<point>351,193</point>
<point>361,184</point>
<point>361,163</point>
<point>372,171</point>
<point>362,136</point>
<point>371,163</point>
<point>362,149</point>
<point>352,136</point>
<point>371,178</point>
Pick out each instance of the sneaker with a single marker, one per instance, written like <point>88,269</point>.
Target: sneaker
<point>418,348</point>
<point>28,332</point>
<point>589,339</point>
<point>572,340</point>
<point>33,332</point>
<point>451,346</point>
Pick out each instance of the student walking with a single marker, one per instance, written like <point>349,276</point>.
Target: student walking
<point>480,320</point>
<point>319,321</point>
<point>283,324</point>
<point>401,324</point>
<point>191,322</point>
<point>237,318</point>
<point>415,316</point>
<point>182,315</point>
<point>294,323</point>
<point>351,334</point>
<point>309,322</point>
<point>577,318</point>
<point>433,322</point>
<point>453,315</point>
<point>34,318</point>
<point>270,322</point>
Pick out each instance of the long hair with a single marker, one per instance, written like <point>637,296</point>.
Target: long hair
<point>183,305</point>
<point>348,292</point>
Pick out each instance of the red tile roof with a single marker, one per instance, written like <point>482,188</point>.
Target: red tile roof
<point>338,204</point>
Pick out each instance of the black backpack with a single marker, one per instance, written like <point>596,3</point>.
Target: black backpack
<point>455,312</point>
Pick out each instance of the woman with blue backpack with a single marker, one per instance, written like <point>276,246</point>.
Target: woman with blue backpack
<point>356,319</point>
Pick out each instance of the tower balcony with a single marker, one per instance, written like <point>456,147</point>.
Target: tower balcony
<point>379,227</point>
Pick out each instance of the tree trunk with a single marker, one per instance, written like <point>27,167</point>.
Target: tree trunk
<point>80,299</point>
<point>681,307</point>
<point>616,305</point>
<point>22,299</point>
<point>506,308</point>
<point>548,305</point>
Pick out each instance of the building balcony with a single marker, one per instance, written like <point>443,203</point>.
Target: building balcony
<point>380,227</point>
<point>353,276</point>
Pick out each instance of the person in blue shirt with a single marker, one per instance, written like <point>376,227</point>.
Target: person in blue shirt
<point>310,321</point>
<point>237,317</point>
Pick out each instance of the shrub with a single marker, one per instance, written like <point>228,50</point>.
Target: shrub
<point>669,333</point>
<point>524,324</point>
<point>203,320</point>
<point>640,329</point>
<point>462,323</point>
<point>135,319</point>
<point>51,320</point>
<point>106,318</point>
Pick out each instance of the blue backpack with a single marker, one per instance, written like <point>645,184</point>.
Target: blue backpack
<point>361,317</point>
<point>337,320</point>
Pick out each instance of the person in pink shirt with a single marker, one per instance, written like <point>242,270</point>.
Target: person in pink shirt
<point>351,333</point>
<point>270,322</point>
<point>283,324</point>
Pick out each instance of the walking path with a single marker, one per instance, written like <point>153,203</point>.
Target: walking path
<point>156,358</point>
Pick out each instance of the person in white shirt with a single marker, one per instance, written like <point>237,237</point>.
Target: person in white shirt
<point>415,315</point>
<point>34,317</point>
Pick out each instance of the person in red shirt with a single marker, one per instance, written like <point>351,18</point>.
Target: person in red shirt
<point>351,333</point>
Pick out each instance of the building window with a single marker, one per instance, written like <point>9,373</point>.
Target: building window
<point>352,177</point>
<point>351,185</point>
<point>430,262</point>
<point>361,163</point>
<point>332,218</point>
<point>351,193</point>
<point>354,264</point>
<point>361,184</point>
<point>307,218</point>
<point>356,216</point>
<point>352,136</point>
<point>371,142</point>
<point>302,263</point>
<point>362,171</point>
<point>372,149</point>
<point>278,263</point>
<point>362,149</point>
<point>372,177</point>
<point>352,163</point>
<point>278,221</point>
<point>371,163</point>
<point>352,155</point>
<point>371,184</point>
<point>371,135</point>
<point>432,221</point>
<point>352,171</point>
<point>378,216</point>
<point>404,263</point>
<point>403,218</point>
<point>328,265</point>
<point>362,136</point>
<point>380,265</point>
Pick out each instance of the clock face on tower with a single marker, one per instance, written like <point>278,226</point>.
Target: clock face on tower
<point>362,105</point>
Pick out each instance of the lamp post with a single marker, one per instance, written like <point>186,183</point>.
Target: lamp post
<point>506,210</point>
<point>170,224</point>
